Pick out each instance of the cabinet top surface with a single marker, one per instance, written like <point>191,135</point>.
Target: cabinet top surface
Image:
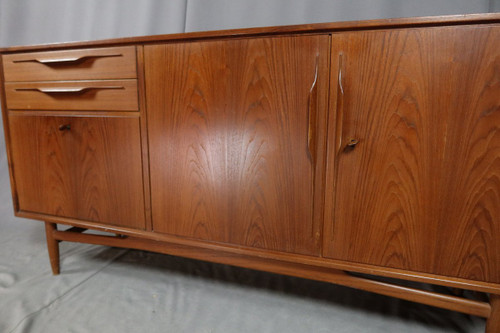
<point>486,18</point>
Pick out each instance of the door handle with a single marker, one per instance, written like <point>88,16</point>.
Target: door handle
<point>339,104</point>
<point>311,116</point>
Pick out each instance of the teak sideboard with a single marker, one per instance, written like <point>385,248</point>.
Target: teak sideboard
<point>339,152</point>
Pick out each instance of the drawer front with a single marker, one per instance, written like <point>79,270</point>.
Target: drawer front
<point>108,95</point>
<point>101,63</point>
<point>81,167</point>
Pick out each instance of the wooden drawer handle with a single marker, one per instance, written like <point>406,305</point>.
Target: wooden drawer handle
<point>76,90</point>
<point>65,127</point>
<point>55,61</point>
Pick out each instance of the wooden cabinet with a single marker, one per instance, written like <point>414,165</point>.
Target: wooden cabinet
<point>80,167</point>
<point>420,189</point>
<point>234,137</point>
<point>315,151</point>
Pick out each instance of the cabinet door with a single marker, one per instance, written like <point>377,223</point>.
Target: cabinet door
<point>90,170</point>
<point>421,188</point>
<point>234,130</point>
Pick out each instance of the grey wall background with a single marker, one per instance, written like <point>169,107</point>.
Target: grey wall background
<point>47,21</point>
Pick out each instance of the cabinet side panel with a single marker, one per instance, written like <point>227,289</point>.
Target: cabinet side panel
<point>421,189</point>
<point>6,130</point>
<point>230,123</point>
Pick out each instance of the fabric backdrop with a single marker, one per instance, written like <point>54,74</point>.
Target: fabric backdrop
<point>103,289</point>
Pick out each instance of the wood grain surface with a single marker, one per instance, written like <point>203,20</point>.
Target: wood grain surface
<point>421,190</point>
<point>493,322</point>
<point>52,247</point>
<point>92,171</point>
<point>144,136</point>
<point>117,95</point>
<point>86,64</point>
<point>229,123</point>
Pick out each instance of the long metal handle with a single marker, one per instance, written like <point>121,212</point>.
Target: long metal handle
<point>65,60</point>
<point>352,143</point>
<point>340,103</point>
<point>311,116</point>
<point>66,90</point>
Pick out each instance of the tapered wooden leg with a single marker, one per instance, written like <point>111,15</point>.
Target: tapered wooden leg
<point>493,322</point>
<point>52,246</point>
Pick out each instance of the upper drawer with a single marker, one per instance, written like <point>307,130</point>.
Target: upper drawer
<point>101,63</point>
<point>105,95</point>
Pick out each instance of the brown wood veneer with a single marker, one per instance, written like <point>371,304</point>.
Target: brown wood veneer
<point>245,138</point>
<point>421,189</point>
<point>229,123</point>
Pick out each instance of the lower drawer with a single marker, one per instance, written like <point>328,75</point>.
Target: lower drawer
<point>82,167</point>
<point>117,95</point>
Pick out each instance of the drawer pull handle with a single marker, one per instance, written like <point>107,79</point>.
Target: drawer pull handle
<point>55,61</point>
<point>65,127</point>
<point>77,90</point>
